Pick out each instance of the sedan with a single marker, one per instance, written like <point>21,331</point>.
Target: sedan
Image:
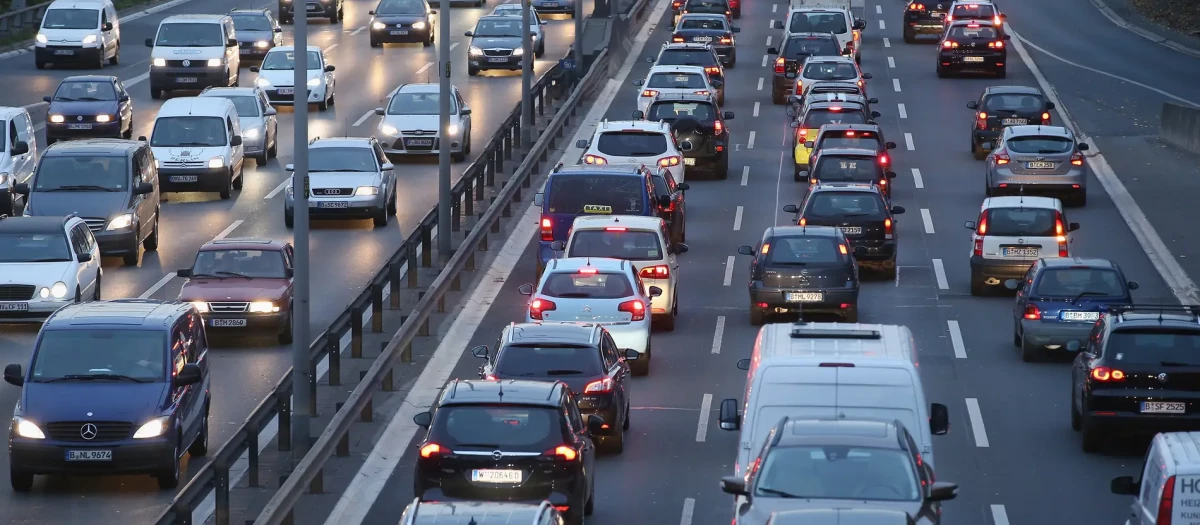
<point>1038,159</point>
<point>402,21</point>
<point>411,119</point>
<point>89,106</point>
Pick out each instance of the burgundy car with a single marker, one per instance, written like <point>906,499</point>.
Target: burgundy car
<point>241,284</point>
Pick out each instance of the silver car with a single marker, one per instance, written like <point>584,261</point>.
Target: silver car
<point>260,130</point>
<point>349,178</point>
<point>411,118</point>
<point>1038,159</point>
<point>535,25</point>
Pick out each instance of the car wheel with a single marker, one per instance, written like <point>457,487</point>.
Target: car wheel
<point>1030,353</point>
<point>96,290</point>
<point>391,208</point>
<point>1002,72</point>
<point>1016,338</point>
<point>909,35</point>
<point>240,180</point>
<point>458,156</point>
<point>129,132</point>
<point>150,243</point>
<point>381,217</point>
<point>156,93</point>
<point>980,153</point>
<point>614,444</point>
<point>941,71</point>
<point>1080,199</point>
<point>376,43</point>
<point>625,424</point>
<point>427,43</point>
<point>323,105</point>
<point>590,506</point>
<point>274,150</point>
<point>132,258</point>
<point>21,481</point>
<point>199,447</point>
<point>100,58</point>
<point>467,142</point>
<point>170,479</point>
<point>289,219</point>
<point>227,191</point>
<point>777,97</point>
<point>116,58</point>
<point>40,65</point>
<point>285,335</point>
<point>889,271</point>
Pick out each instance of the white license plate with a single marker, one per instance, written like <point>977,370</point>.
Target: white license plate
<point>286,91</point>
<point>688,161</point>
<point>938,15</point>
<point>79,126</point>
<point>1164,407</point>
<point>972,59</point>
<point>1014,121</point>
<point>1080,316</point>
<point>851,230</point>
<point>246,51</point>
<point>549,4</point>
<point>498,59</point>
<point>184,178</point>
<point>334,204</point>
<point>398,33</point>
<point>419,142</point>
<point>805,297</point>
<point>64,52</point>
<point>14,307</point>
<point>1039,165</point>
<point>1019,252</point>
<point>227,323</point>
<point>89,455</point>
<point>703,39</point>
<point>496,476</point>
<point>186,80</point>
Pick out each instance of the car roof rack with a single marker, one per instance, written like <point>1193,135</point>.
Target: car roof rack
<point>802,331</point>
<point>1160,309</point>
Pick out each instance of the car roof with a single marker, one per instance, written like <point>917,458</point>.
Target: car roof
<point>844,187</point>
<point>105,147</point>
<point>608,126</point>
<point>223,91</point>
<point>474,513</point>
<point>514,391</point>
<point>193,18</point>
<point>661,68</point>
<point>1021,201</point>
<point>72,4</point>
<point>242,243</point>
<point>829,59</point>
<point>279,49</point>
<point>1071,262</point>
<point>569,264</point>
<point>89,78</point>
<point>803,231</point>
<point>8,112</point>
<point>340,142</point>
<point>596,222</point>
<point>196,106</point>
<point>145,313</point>
<point>849,432</point>
<point>580,333</point>
<point>827,152</point>
<point>1003,90</point>
<point>49,224</point>
<point>1056,131</point>
<point>710,16</point>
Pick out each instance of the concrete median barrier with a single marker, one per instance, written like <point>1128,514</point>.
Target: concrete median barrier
<point>1181,126</point>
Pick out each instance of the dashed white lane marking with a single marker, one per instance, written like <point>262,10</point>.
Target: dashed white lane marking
<point>363,118</point>
<point>774,7</point>
<point>425,68</point>
<point>770,24</point>
<point>719,334</point>
<point>902,110</point>
<point>745,175</point>
<point>977,428</point>
<point>927,219</point>
<point>765,58</point>
<point>881,25</point>
<point>728,271</point>
<point>755,109</point>
<point>939,272</point>
<point>136,80</point>
<point>157,286</point>
<point>357,31</point>
<point>750,141</point>
<point>335,44</point>
<point>896,84</point>
<point>999,515</point>
<point>956,340</point>
<point>279,188</point>
<point>908,141</point>
<point>760,83</point>
<point>887,43</point>
<point>228,230</point>
<point>917,180</point>
<point>702,426</point>
<point>891,62</point>
<point>768,41</point>
<point>737,219</point>
<point>879,10</point>
<point>454,45</point>
<point>689,504</point>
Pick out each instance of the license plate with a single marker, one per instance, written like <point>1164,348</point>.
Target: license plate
<point>14,307</point>
<point>1164,407</point>
<point>286,91</point>
<point>400,32</point>
<point>246,51</point>
<point>805,297</point>
<point>1014,121</point>
<point>972,59</point>
<point>334,204</point>
<point>851,230</point>
<point>688,161</point>
<point>227,323</point>
<point>186,80</point>
<point>1019,252</point>
<point>79,126</point>
<point>419,142</point>
<point>64,52</point>
<point>89,455</point>
<point>496,476</point>
<point>549,4</point>
<point>703,39</point>
<point>1039,165</point>
<point>938,15</point>
<point>1079,316</point>
<point>184,178</point>
<point>498,59</point>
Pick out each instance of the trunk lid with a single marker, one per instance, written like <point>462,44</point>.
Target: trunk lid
<point>1021,234</point>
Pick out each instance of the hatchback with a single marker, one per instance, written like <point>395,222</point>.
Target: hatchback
<point>1011,234</point>
<point>1038,159</point>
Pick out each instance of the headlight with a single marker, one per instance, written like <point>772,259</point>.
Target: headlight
<point>263,307</point>
<point>90,39</point>
<point>216,62</point>
<point>364,191</point>
<point>201,306</point>
<point>314,82</point>
<point>57,119</point>
<point>41,39</point>
<point>216,162</point>
<point>418,25</point>
<point>159,62</point>
<point>121,221</point>
<point>452,129</point>
<point>158,163</point>
<point>152,429</point>
<point>58,291</point>
<point>390,131</point>
<point>103,118</point>
<point>250,133</point>
<point>518,51</point>
<point>378,25</point>
<point>475,51</point>
<point>3,178</point>
<point>262,43</point>
<point>262,82</point>
<point>27,429</point>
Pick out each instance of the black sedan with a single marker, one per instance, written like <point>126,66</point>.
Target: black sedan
<point>401,22</point>
<point>496,44</point>
<point>257,32</point>
<point>89,106</point>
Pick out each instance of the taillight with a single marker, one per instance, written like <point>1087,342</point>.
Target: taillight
<point>726,40</point>
<point>563,452</point>
<point>888,232</point>
<point>916,7</point>
<point>1105,374</point>
<point>981,120</point>
<point>978,249</point>
<point>996,19</point>
<point>999,44</point>
<point>547,229</point>
<point>1060,235</point>
<point>1058,225</point>
<point>884,160</point>
<point>949,18</point>
<point>433,450</point>
<point>661,271</point>
<point>718,127</point>
<point>1166,505</point>
<point>649,93</point>
<point>594,159</point>
<point>667,162</point>
<point>677,39</point>
<point>636,308</point>
<point>1002,158</point>
<point>712,70</point>
<point>982,229</point>
<point>676,5</point>
<point>539,306</point>
<point>1077,159</point>
<point>599,387</point>
<point>1032,313</point>
<point>779,63</point>
<point>803,134</point>
<point>1045,118</point>
<point>949,44</point>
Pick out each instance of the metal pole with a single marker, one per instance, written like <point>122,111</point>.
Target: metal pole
<point>578,37</point>
<point>527,76</point>
<point>301,369</point>
<point>444,141</point>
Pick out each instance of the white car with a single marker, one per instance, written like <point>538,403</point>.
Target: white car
<point>973,10</point>
<point>47,263</point>
<point>260,127</point>
<point>349,178</point>
<point>410,122</point>
<point>20,156</point>
<point>535,25</point>
<point>639,142</point>
<point>1011,234</point>
<point>276,76</point>
<point>822,69</point>
<point>674,79</point>
<point>596,290</point>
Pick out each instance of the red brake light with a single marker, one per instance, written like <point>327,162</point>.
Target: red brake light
<point>982,230</point>
<point>779,62</point>
<point>539,306</point>
<point>835,109</point>
<point>547,229</point>
<point>1058,226</point>
<point>613,229</point>
<point>635,308</point>
<point>999,44</point>
<point>726,40</point>
<point>673,160</point>
<point>888,232</point>
<point>1002,158</point>
<point>718,127</point>
<point>978,249</point>
<point>712,70</point>
<point>433,449</point>
<point>884,160</point>
<point>849,133</point>
<point>563,452</point>
<point>1077,159</point>
<point>1166,505</point>
<point>996,19</point>
<point>677,39</point>
<point>649,93</point>
<point>1105,374</point>
<point>972,26</point>
<point>599,387</point>
<point>594,159</point>
<point>949,44</point>
<point>1032,313</point>
<point>588,270</point>
<point>661,271</point>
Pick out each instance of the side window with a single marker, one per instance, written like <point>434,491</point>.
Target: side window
<point>200,345</point>
<point>229,127</point>
<point>380,156</point>
<point>179,345</point>
<point>103,17</point>
<point>193,329</point>
<point>671,184</point>
<point>660,186</point>
<point>1094,338</point>
<point>288,255</point>
<point>22,121</point>
<point>608,349</point>
<point>88,239</point>
<point>139,166</point>
<point>12,133</point>
<point>151,174</point>
<point>573,414</point>
<point>566,413</point>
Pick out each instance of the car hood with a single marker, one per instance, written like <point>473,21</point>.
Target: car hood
<point>233,289</point>
<point>68,36</point>
<point>93,401</point>
<point>255,36</point>
<point>284,77</point>
<point>415,122</point>
<point>398,18</point>
<point>37,273</point>
<point>762,508</point>
<point>81,203</point>
<point>82,107</point>
<point>251,123</point>
<point>342,179</point>
<point>186,153</point>
<point>491,42</point>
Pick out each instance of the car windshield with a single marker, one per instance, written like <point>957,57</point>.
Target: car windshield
<point>1021,222</point>
<point>1040,145</point>
<point>977,32</point>
<point>830,71</point>
<point>34,247</point>
<point>506,27</point>
<point>632,144</point>
<point>182,34</point>
<point>802,251</point>
<point>82,173</point>
<point>838,472</point>
<point>851,139</point>
<point>622,244</point>
<point>401,7</point>
<point>1023,103</point>
<point>676,81</point>
<point>818,22</point>
<point>88,91</point>
<point>800,48</point>
<point>245,105</point>
<point>254,264</point>
<point>687,57</point>
<point>818,117</point>
<point>286,61</point>
<point>969,11</point>
<point>251,22</point>
<point>1154,346</point>
<point>827,204</point>
<point>1070,282</point>
<point>100,354</point>
<point>543,361</point>
<point>670,111</point>
<point>533,428</point>
<point>574,284</point>
<point>342,159</point>
<point>604,194</point>
<point>188,131</point>
<point>709,24</point>
<point>71,19</point>
<point>847,169</point>
<point>417,103</point>
<point>515,10</point>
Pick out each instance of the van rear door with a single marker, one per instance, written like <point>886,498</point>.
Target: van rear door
<point>884,394</point>
<point>1185,503</point>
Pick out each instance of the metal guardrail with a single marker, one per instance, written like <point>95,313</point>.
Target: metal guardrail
<point>15,22</point>
<point>335,437</point>
<point>415,252</point>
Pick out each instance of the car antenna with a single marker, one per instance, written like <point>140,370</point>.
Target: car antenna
<point>472,522</point>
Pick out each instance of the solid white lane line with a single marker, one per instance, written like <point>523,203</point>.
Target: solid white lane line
<point>357,31</point>
<point>737,219</point>
<point>425,68</point>
<point>719,334</point>
<point>137,80</point>
<point>702,426</point>
<point>999,515</point>
<point>755,110</point>
<point>760,81</point>
<point>939,272</point>
<point>956,339</point>
<point>228,230</point>
<point>896,84</point>
<point>453,45</point>
<point>157,286</point>
<point>879,10</point>
<point>745,175</point>
<point>927,219</point>
<point>917,180</point>
<point>902,110</point>
<point>277,189</point>
<point>363,118</point>
<point>891,62</point>
<point>750,141</point>
<point>768,41</point>
<point>887,43</point>
<point>882,26</point>
<point>977,428</point>
<point>689,505</point>
<point>728,271</point>
<point>908,141</point>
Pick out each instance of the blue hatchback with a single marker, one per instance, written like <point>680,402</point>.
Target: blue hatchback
<point>1060,299</point>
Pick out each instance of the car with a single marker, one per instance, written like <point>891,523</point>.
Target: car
<point>50,262</point>
<point>1000,106</point>
<point>536,25</point>
<point>811,119</point>
<point>803,270</point>
<point>113,184</point>
<point>496,43</point>
<point>637,142</point>
<point>537,423</point>
<point>549,7</point>
<point>846,100</point>
<point>675,79</point>
<point>1136,373</point>
<point>841,516</point>
<point>113,387</point>
<point>863,166</point>
<point>795,50</point>
<point>856,136</point>
<point>645,242</point>
<point>829,86</point>
<point>1038,159</point>
<point>698,120</point>
<point>973,10</point>
<point>1168,475</point>
<point>191,52</point>
<point>276,76</point>
<point>1011,234</point>
<point>713,30</point>
<point>823,68</point>
<point>334,10</point>
<point>197,146</point>
<point>479,513</point>
<point>78,31</point>
<point>257,32</point>
<point>260,125</point>
<point>818,463</point>
<point>970,46</point>
<point>924,17</point>
<point>866,218</point>
<point>1060,299</point>
<point>582,355</point>
<point>411,119</point>
<point>19,153</point>
<point>89,106</point>
<point>350,177</point>
<point>829,18</point>
<point>671,198</point>
<point>712,7</point>
<point>402,21</point>
<point>693,54</point>
<point>597,290</point>
<point>242,283</point>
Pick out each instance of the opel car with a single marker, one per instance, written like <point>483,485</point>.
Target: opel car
<point>411,118</point>
<point>637,142</point>
<point>797,48</point>
<point>242,284</point>
<point>803,270</point>
<point>350,178</point>
<point>49,262</point>
<point>276,76</point>
<point>971,46</point>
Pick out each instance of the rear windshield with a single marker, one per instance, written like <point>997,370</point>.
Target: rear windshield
<point>968,11</point>
<point>1075,281</point>
<point>830,71</point>
<point>846,204</point>
<point>1039,145</point>
<point>522,360</point>
<point>980,32</point>
<point>843,169</point>
<point>497,426</point>
<point>670,111</point>
<point>687,57</point>
<point>1024,103</point>
<point>583,285</point>
<point>712,24</point>
<point>1017,222</point>
<point>632,144</point>
<point>798,48</point>
<point>706,6</point>
<point>628,245</point>
<point>1155,346</point>
<point>817,117</point>
<point>246,106</point>
<point>604,194</point>
<point>850,139</point>
<point>803,250</point>
<point>190,34</point>
<point>818,22</point>
<point>676,81</point>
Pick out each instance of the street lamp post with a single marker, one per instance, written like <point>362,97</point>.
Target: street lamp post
<point>301,366</point>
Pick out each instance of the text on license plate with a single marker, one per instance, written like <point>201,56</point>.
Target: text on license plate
<point>805,297</point>
<point>549,4</point>
<point>400,32</point>
<point>79,126</point>
<point>1019,252</point>
<point>186,80</point>
<point>184,178</point>
<point>972,59</point>
<point>62,52</point>
<point>334,204</point>
<point>227,323</point>
<point>851,230</point>
<point>1080,316</point>
<point>496,476</point>
<point>498,59</point>
<point>702,39</point>
<point>1013,121</point>
<point>1164,407</point>
<point>14,307</point>
<point>1039,165</point>
<point>689,161</point>
<point>286,91</point>
<point>89,455</point>
<point>420,142</point>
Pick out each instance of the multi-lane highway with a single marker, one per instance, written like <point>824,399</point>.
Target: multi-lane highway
<point>345,255</point>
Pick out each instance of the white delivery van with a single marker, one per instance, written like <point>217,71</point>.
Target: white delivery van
<point>1168,490</point>
<point>78,31</point>
<point>18,155</point>
<point>192,52</point>
<point>827,16</point>
<point>197,143</point>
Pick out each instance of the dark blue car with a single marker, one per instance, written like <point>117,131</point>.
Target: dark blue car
<point>89,106</point>
<point>1060,299</point>
<point>113,387</point>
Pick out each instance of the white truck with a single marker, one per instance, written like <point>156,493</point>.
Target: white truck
<point>842,18</point>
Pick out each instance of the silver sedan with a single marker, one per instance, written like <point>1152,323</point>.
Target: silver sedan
<point>1038,160</point>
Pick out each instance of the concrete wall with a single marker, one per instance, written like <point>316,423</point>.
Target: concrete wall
<point>1181,126</point>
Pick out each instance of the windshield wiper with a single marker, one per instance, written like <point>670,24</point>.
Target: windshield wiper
<point>91,99</point>
<point>80,187</point>
<point>1176,363</point>
<point>778,493</point>
<point>563,372</point>
<point>89,377</point>
<point>65,99</point>
<point>1085,294</point>
<point>233,274</point>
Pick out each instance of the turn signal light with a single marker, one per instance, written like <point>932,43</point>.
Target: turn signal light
<point>594,159</point>
<point>1077,159</point>
<point>801,222</point>
<point>779,63</point>
<point>433,449</point>
<point>1002,158</point>
<point>1032,313</point>
<point>539,306</point>
<point>999,44</point>
<point>843,249</point>
<point>996,20</point>
<point>1045,118</point>
<point>712,70</point>
<point>884,160</point>
<point>726,40</point>
<point>949,44</point>
<point>1105,374</point>
<point>635,308</point>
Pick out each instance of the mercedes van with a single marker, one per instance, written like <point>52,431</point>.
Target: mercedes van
<point>192,52</point>
<point>197,143</point>
<point>80,32</point>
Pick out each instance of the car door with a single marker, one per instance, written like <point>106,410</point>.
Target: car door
<point>124,104</point>
<point>610,356</point>
<point>1023,291</point>
<point>23,164</point>
<point>464,115</point>
<point>93,269</point>
<point>388,176</point>
<point>659,191</point>
<point>198,355</point>
<point>579,428</point>
<point>178,356</point>
<point>677,198</point>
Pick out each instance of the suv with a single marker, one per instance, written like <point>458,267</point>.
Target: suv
<point>47,262</point>
<point>18,155</point>
<point>924,17</point>
<point>698,120</point>
<point>582,355</point>
<point>1001,106</point>
<point>973,46</point>
<point>548,452</point>
<point>692,54</point>
<point>350,178</point>
<point>479,513</point>
<point>257,32</point>
<point>638,142</point>
<point>973,10</point>
<point>853,165</point>
<point>1012,233</point>
<point>113,387</point>
<point>862,213</point>
<point>796,49</point>
<point>825,69</point>
<point>242,283</point>
<point>112,183</point>
<point>803,269</point>
<point>331,9</point>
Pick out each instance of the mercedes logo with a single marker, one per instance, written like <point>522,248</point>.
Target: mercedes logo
<point>1162,378</point>
<point>89,431</point>
<point>496,454</point>
<point>188,63</point>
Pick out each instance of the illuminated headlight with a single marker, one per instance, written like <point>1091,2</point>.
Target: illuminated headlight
<point>58,291</point>
<point>103,118</point>
<point>262,43</point>
<point>57,119</point>
<point>159,62</point>
<point>250,133</point>
<point>201,306</point>
<point>314,82</point>
<point>418,25</point>
<point>262,82</point>
<point>366,191</point>
<point>216,62</point>
<point>90,39</point>
<point>518,51</point>
<point>157,163</point>
<point>378,25</point>
<point>263,307</point>
<point>216,162</point>
<point>121,221</point>
<point>27,429</point>
<point>390,131</point>
<point>152,429</point>
<point>41,39</point>
<point>452,129</point>
<point>475,51</point>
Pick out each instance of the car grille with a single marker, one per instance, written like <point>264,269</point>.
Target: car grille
<point>182,164</point>
<point>17,292</point>
<point>332,192</point>
<point>199,63</point>
<point>410,143</point>
<point>497,52</point>
<point>73,431</point>
<point>95,223</point>
<point>228,307</point>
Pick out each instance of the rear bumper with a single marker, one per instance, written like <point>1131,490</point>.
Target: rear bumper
<point>990,61</point>
<point>1136,423</point>
<point>127,457</point>
<point>775,299</point>
<point>311,8</point>
<point>1073,180</point>
<point>609,415</point>
<point>925,26</point>
<point>410,35</point>
<point>634,335</point>
<point>882,253</point>
<point>1055,333</point>
<point>555,496</point>
<point>1000,269</point>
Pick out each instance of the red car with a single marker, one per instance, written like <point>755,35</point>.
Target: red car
<point>242,284</point>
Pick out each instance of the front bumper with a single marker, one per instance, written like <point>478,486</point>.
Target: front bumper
<point>63,131</point>
<point>559,7</point>
<point>193,179</point>
<point>187,78</point>
<point>1055,333</point>
<point>635,335</point>
<point>393,35</point>
<point>416,145</point>
<point>65,54</point>
<point>774,300</point>
<point>354,207</point>
<point>117,242</point>
<point>991,61</point>
<point>315,95</point>
<point>485,63</point>
<point>999,269</point>
<point>254,146</point>
<point>33,311</point>
<point>128,457</point>
<point>253,321</point>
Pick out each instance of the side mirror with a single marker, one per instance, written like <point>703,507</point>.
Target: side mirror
<point>718,84</point>
<point>480,351</point>
<point>736,29</point>
<point>897,210</point>
<point>655,291</point>
<point>728,115</point>
<point>793,124</point>
<point>581,144</point>
<point>1008,37</point>
<point>939,419</point>
<point>13,375</point>
<point>664,201</point>
<point>810,144</point>
<point>876,114</point>
<point>84,257</point>
<point>21,188</point>
<point>639,115</point>
<point>107,26</point>
<point>277,30</point>
<point>465,112</point>
<point>734,485</point>
<point>639,82</point>
<point>469,33</point>
<point>424,419</point>
<point>432,12</point>
<point>538,199</point>
<point>860,24</point>
<point>727,416</point>
<point>680,248</point>
<point>1133,285</point>
<point>632,355</point>
<point>289,273</point>
<point>235,140</point>
<point>143,189</point>
<point>541,22</point>
<point>943,491</point>
<point>777,24</point>
<point>123,98</point>
<point>1073,226</point>
<point>682,186</point>
<point>1084,147</point>
<point>20,148</point>
<point>188,375</point>
<point>868,76</point>
<point>791,208</point>
<point>746,250</point>
<point>595,424</point>
<point>972,105</point>
<point>149,42</point>
<point>872,101</point>
<point>525,289</point>
<point>1049,106</point>
<point>1123,485</point>
<point>372,13</point>
<point>1013,284</point>
<point>558,246</point>
<point>254,69</point>
<point>232,42</point>
<point>685,145</point>
<point>794,99</point>
<point>142,138</point>
<point>772,50</point>
<point>970,225</point>
<point>860,252</point>
<point>289,167</point>
<point>387,166</point>
<point>743,364</point>
<point>47,98</point>
<point>890,145</point>
<point>330,69</point>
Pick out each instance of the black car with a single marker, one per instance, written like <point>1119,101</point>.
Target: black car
<point>1139,373</point>
<point>863,215</point>
<point>331,9</point>
<point>973,46</point>
<point>672,204</point>
<point>802,270</point>
<point>791,56</point>
<point>851,165</point>
<point>402,21</point>
<point>88,106</point>
<point>695,118</point>
<point>856,136</point>
<point>112,184</point>
<point>693,54</point>
<point>925,17</point>
<point>583,356</point>
<point>815,116</point>
<point>496,44</point>
<point>712,30</point>
<point>257,32</point>
<point>711,7</point>
<point>1001,106</point>
<point>508,440</point>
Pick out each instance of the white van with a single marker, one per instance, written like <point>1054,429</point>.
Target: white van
<point>18,155</point>
<point>192,52</point>
<point>1168,491</point>
<point>80,32</point>
<point>197,144</point>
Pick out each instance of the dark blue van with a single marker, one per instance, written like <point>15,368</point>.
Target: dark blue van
<point>113,387</point>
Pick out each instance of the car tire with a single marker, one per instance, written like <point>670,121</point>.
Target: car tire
<point>910,36</point>
<point>941,71</point>
<point>641,367</point>
<point>227,191</point>
<point>732,61</point>
<point>40,65</point>
<point>1016,338</point>
<point>169,479</point>
<point>289,220</point>
<point>667,322</point>
<point>199,447</point>
<point>590,506</point>
<point>889,272</point>
<point>128,134</point>
<point>458,156</point>
<point>20,480</point>
<point>323,105</point>
<point>978,151</point>
<point>977,286</point>
<point>614,444</point>
<point>723,169</point>
<point>467,142</point>
<point>427,43</point>
<point>157,94</point>
<point>1029,352</point>
<point>987,189</point>
<point>756,316</point>
<point>625,424</point>
<point>1002,72</point>
<point>132,258</point>
<point>541,50</point>
<point>100,57</point>
<point>96,291</point>
<point>381,217</point>
<point>116,58</point>
<point>261,160</point>
<point>391,207</point>
<point>240,180</point>
<point>472,71</point>
<point>150,243</point>
<point>1090,440</point>
<point>285,334</point>
<point>778,97</point>
<point>1076,418</point>
<point>1079,200</point>
<point>376,43</point>
<point>851,315</point>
